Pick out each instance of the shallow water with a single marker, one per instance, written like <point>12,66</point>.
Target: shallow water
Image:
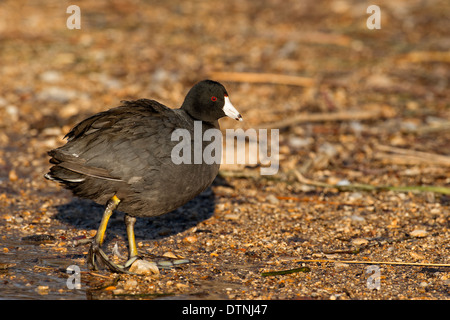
<point>34,257</point>
<point>33,273</point>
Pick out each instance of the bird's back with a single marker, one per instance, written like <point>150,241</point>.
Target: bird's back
<point>126,151</point>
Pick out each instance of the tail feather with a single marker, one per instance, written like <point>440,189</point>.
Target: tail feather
<point>63,175</point>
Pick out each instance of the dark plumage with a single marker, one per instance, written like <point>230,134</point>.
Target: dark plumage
<point>122,157</point>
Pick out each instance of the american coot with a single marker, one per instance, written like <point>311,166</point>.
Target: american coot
<point>122,157</point>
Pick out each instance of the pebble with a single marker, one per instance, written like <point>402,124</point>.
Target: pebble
<point>355,196</point>
<point>13,175</point>
<point>231,216</point>
<point>57,94</point>
<point>50,76</point>
<point>360,242</point>
<point>165,264</point>
<point>42,290</point>
<point>416,255</point>
<point>297,142</point>
<point>272,199</point>
<point>344,182</point>
<point>341,265</point>
<point>419,233</point>
<point>144,267</point>
<point>13,112</point>
<point>379,81</point>
<point>52,131</point>
<point>357,218</point>
<point>130,284</point>
<point>6,266</point>
<point>3,102</point>
<point>190,239</point>
<point>328,149</point>
<point>181,286</point>
<point>106,80</point>
<point>39,238</point>
<point>169,254</point>
<point>118,291</point>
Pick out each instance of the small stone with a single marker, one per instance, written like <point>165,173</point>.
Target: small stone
<point>359,242</point>
<point>165,264</point>
<point>3,102</point>
<point>355,196</point>
<point>8,217</point>
<point>170,254</point>
<point>13,175</point>
<point>328,149</point>
<point>181,286</point>
<point>57,94</point>
<point>357,218</point>
<point>130,284</point>
<point>50,76</point>
<point>297,142</point>
<point>379,81</point>
<point>39,238</point>
<point>416,255</point>
<point>144,267</point>
<point>344,182</point>
<point>272,199</point>
<point>110,288</point>
<point>419,233</point>
<point>341,265</point>
<point>118,291</point>
<point>13,112</point>
<point>181,261</point>
<point>190,239</point>
<point>6,266</point>
<point>231,216</point>
<point>42,290</point>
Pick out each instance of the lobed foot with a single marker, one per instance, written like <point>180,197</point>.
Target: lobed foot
<point>97,258</point>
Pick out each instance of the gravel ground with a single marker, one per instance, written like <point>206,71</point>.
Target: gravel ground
<point>317,207</point>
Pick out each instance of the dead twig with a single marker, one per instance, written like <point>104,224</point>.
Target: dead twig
<point>368,187</point>
<point>426,56</point>
<point>264,78</point>
<point>394,263</point>
<point>326,116</point>
<point>289,271</point>
<point>411,156</point>
<point>433,128</point>
<point>347,187</point>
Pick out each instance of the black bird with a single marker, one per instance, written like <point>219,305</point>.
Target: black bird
<point>122,157</point>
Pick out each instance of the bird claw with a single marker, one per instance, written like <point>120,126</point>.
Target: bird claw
<point>97,257</point>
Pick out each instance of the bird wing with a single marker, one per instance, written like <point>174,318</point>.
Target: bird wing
<point>117,144</point>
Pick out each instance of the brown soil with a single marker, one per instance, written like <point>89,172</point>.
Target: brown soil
<point>246,224</point>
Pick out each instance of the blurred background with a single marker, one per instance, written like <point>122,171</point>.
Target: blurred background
<point>52,77</point>
<point>353,105</point>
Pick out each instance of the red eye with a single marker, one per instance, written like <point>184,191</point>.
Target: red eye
<point>213,98</point>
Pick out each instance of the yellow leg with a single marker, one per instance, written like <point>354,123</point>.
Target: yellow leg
<point>95,252</point>
<point>110,207</point>
<point>133,253</point>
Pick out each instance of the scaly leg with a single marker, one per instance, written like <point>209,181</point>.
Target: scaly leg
<point>133,254</point>
<point>95,252</point>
